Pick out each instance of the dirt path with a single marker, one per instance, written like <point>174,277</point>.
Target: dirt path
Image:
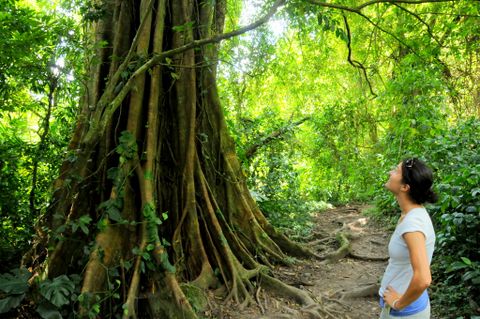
<point>331,284</point>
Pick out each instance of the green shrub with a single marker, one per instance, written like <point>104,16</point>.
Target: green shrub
<point>454,155</point>
<point>456,158</point>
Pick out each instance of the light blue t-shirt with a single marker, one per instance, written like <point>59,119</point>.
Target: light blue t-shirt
<point>399,271</point>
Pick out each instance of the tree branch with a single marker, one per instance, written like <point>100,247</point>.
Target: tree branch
<point>157,58</point>
<point>446,69</point>
<point>452,14</point>
<point>429,30</point>
<point>376,25</point>
<point>369,3</point>
<point>357,10</point>
<point>355,63</point>
<point>360,7</point>
<point>252,149</point>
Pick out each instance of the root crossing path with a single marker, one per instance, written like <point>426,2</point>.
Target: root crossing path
<point>343,282</point>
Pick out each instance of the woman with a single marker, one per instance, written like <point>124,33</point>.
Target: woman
<point>403,291</point>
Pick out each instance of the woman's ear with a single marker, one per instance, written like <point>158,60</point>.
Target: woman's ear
<point>405,188</point>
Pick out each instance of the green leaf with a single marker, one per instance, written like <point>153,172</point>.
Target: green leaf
<point>471,209</point>
<point>112,173</point>
<point>114,214</point>
<point>178,28</point>
<point>128,145</point>
<point>165,242</point>
<point>456,266</point>
<point>85,219</point>
<point>475,192</point>
<point>102,224</point>
<point>469,275</point>
<point>48,311</point>
<point>61,229</point>
<point>15,282</point>
<point>84,229</point>
<point>466,261</point>
<point>127,264</point>
<point>165,216</point>
<point>58,290</point>
<point>6,304</point>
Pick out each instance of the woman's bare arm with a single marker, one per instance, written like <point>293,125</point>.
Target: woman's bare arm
<point>421,272</point>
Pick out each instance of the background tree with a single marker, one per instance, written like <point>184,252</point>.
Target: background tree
<point>37,107</point>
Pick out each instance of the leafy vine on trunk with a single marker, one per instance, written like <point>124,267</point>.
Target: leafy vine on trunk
<point>156,171</point>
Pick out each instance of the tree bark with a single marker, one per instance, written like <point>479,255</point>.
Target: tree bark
<point>156,171</point>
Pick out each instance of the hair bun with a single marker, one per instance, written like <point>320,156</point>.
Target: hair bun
<point>431,197</point>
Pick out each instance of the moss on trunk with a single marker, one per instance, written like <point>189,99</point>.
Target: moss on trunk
<point>158,175</point>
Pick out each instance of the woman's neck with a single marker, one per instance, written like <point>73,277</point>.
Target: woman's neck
<point>406,204</point>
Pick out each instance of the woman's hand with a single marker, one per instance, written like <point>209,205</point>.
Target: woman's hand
<point>390,295</point>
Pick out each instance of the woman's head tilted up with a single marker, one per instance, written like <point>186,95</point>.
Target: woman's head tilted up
<point>413,178</point>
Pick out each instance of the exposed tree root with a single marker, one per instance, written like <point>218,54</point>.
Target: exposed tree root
<point>337,301</point>
<point>343,210</point>
<point>313,236</point>
<point>367,291</point>
<point>257,299</point>
<point>377,242</point>
<point>367,258</point>
<point>320,312</point>
<point>327,240</point>
<point>279,287</point>
<point>167,300</point>
<point>341,252</point>
<point>344,235</point>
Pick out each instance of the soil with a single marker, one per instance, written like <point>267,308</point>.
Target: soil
<point>330,284</point>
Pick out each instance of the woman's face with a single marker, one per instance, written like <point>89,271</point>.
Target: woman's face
<point>394,183</point>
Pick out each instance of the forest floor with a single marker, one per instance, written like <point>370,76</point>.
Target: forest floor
<point>345,288</point>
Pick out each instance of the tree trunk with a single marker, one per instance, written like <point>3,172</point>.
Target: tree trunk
<point>156,172</point>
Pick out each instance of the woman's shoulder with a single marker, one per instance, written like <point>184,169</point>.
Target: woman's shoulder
<point>417,218</point>
<point>418,213</point>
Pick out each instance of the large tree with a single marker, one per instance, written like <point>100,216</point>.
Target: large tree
<point>152,165</point>
<point>151,177</point>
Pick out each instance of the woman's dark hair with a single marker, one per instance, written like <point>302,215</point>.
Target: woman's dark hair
<point>419,177</point>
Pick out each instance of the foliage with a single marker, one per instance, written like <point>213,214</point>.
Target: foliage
<point>40,54</point>
<point>456,157</point>
<point>274,184</point>
<point>414,66</point>
<point>53,295</point>
<point>58,290</point>
<point>15,286</point>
